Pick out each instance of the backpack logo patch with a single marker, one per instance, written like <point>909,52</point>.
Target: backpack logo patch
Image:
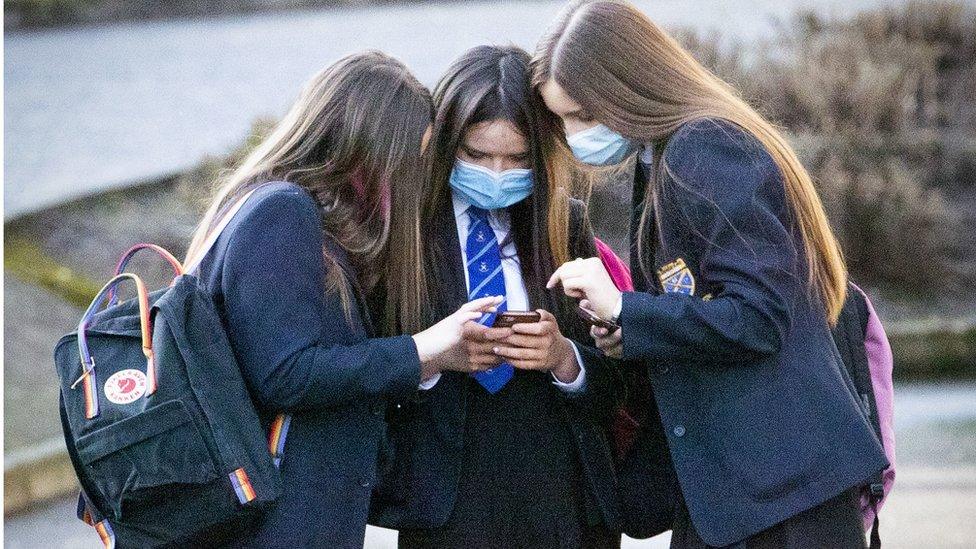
<point>676,277</point>
<point>125,386</point>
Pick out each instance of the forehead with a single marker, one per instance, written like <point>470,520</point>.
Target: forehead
<point>495,137</point>
<point>556,98</point>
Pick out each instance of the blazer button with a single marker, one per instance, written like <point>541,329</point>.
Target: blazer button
<point>663,369</point>
<point>679,431</point>
<point>364,484</point>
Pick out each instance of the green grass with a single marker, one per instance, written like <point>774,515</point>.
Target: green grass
<point>936,354</point>
<point>28,262</point>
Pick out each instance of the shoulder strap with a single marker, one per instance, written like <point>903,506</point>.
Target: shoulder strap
<point>860,329</point>
<point>850,334</point>
<point>192,266</point>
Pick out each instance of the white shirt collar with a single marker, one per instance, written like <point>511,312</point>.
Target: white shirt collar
<point>496,218</point>
<point>460,205</point>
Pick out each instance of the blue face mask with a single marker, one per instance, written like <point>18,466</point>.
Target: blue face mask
<point>488,189</point>
<point>600,146</point>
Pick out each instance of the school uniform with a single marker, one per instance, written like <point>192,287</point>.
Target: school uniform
<point>746,378</point>
<point>299,354</point>
<point>527,466</point>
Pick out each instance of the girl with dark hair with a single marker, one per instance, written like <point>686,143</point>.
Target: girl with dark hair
<point>517,455</point>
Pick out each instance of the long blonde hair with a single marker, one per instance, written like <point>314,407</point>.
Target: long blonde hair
<point>628,73</point>
<point>353,141</point>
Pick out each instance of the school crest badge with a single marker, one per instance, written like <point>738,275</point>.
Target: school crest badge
<point>676,277</point>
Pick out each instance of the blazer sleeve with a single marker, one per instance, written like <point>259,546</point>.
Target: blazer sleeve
<point>603,388</point>
<point>721,201</point>
<point>281,322</point>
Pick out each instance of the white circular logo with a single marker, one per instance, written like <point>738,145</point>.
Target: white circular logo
<point>125,386</point>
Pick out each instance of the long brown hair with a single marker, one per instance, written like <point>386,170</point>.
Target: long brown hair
<point>631,75</point>
<point>353,141</point>
<point>494,83</point>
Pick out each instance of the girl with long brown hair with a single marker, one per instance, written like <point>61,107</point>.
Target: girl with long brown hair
<point>740,279</point>
<point>312,212</point>
<point>517,455</point>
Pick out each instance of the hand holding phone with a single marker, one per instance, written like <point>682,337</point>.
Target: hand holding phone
<point>536,344</point>
<point>593,319</point>
<point>508,319</point>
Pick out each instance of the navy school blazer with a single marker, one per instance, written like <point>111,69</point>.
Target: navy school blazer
<point>299,354</point>
<point>426,432</point>
<point>746,377</point>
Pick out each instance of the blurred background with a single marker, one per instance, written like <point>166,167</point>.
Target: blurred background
<point>119,114</point>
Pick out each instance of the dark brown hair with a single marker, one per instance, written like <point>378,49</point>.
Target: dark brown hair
<point>494,83</point>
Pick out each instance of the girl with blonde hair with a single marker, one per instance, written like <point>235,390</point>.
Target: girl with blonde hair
<point>739,281</point>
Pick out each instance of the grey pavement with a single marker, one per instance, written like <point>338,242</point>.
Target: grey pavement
<point>30,394</point>
<point>932,506</point>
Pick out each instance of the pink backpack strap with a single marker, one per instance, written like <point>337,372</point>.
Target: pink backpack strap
<point>619,271</point>
<point>881,365</point>
<point>624,427</point>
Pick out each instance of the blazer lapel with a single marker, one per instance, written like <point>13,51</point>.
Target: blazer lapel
<point>642,176</point>
<point>449,266</point>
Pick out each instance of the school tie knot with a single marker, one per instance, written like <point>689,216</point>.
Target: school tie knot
<point>477,215</point>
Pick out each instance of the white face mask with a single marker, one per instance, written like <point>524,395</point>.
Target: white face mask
<point>600,146</point>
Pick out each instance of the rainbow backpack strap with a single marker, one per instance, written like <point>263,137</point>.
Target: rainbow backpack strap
<point>87,378</point>
<point>106,534</point>
<point>242,486</point>
<point>276,437</point>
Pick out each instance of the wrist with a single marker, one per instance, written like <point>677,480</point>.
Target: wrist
<point>618,306</point>
<point>423,352</point>
<point>567,369</point>
<point>428,370</point>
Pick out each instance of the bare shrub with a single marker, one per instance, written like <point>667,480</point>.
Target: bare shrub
<point>882,109</point>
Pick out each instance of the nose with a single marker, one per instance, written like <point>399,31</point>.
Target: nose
<point>572,125</point>
<point>505,163</point>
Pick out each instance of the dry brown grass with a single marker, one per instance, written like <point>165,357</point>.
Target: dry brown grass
<point>882,109</point>
<point>882,106</point>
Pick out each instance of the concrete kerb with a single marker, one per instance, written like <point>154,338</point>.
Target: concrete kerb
<point>37,474</point>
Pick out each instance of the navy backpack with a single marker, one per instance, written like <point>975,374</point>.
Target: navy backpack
<point>164,439</point>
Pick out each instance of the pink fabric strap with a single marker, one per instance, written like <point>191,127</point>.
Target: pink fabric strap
<point>619,272</point>
<point>881,365</point>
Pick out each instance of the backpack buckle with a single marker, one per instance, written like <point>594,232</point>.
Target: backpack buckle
<point>86,370</point>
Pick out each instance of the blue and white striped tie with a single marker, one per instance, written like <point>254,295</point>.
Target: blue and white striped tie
<point>485,278</point>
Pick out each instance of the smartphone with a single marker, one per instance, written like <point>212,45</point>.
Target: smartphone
<point>592,319</point>
<point>507,319</point>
